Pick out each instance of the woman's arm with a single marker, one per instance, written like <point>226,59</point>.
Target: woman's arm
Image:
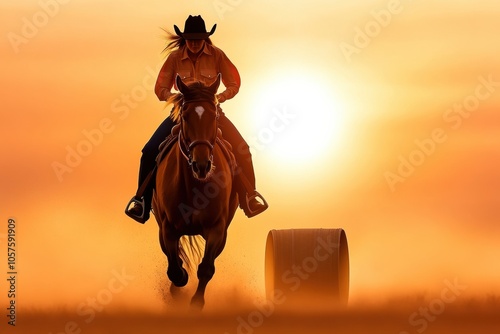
<point>165,80</point>
<point>230,78</point>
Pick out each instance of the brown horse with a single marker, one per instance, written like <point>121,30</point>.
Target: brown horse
<point>195,193</point>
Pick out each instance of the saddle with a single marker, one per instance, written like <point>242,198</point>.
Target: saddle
<point>167,144</point>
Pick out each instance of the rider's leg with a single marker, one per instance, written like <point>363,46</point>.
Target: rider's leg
<point>148,161</point>
<point>243,157</point>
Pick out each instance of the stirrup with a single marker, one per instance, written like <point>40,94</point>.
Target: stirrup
<point>248,212</point>
<point>142,218</point>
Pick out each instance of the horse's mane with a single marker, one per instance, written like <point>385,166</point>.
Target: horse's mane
<point>197,91</point>
<point>177,100</point>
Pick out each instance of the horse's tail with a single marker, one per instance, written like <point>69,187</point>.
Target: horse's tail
<point>191,249</point>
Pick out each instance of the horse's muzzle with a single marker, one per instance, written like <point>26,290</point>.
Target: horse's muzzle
<point>202,170</point>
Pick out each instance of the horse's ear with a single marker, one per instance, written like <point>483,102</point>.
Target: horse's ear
<point>181,86</point>
<point>215,85</point>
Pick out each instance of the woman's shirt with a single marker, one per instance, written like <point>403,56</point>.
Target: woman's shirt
<point>209,63</point>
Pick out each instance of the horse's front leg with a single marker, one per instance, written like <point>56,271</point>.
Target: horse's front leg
<point>215,242</point>
<point>170,246</point>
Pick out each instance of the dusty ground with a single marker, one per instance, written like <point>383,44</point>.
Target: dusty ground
<point>468,317</point>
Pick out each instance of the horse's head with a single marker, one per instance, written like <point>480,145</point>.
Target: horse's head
<point>198,118</point>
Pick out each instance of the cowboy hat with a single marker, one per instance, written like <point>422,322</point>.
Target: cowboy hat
<point>194,28</point>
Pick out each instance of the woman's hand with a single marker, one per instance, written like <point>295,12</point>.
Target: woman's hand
<point>220,98</point>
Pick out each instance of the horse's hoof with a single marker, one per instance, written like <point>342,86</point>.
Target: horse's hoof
<point>179,294</point>
<point>179,281</point>
<point>197,303</point>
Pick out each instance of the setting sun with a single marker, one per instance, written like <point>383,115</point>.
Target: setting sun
<point>300,118</point>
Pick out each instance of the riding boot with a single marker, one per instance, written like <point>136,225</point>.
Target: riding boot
<point>247,191</point>
<point>142,206</point>
<point>145,168</point>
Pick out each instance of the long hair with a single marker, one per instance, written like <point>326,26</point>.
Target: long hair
<point>175,42</point>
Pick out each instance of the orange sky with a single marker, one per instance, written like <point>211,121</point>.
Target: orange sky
<point>72,73</point>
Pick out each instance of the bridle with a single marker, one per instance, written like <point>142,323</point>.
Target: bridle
<point>187,147</point>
